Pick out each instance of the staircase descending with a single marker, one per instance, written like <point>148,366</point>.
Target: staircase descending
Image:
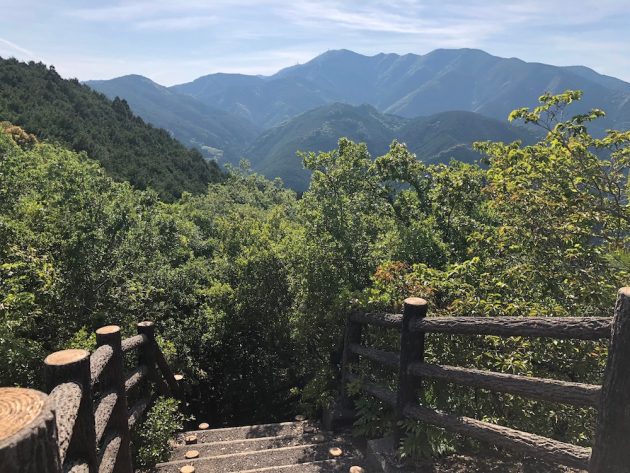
<point>288,447</point>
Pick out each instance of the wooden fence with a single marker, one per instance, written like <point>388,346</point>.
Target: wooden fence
<point>610,451</point>
<point>83,425</point>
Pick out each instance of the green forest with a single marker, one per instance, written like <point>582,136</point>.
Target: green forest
<point>249,283</point>
<point>63,111</point>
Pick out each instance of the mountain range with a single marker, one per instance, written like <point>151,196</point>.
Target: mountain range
<point>368,98</point>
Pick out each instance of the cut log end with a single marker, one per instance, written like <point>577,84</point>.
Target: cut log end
<point>204,426</point>
<point>108,329</point>
<point>356,469</point>
<point>335,452</point>
<point>66,357</point>
<point>178,377</point>
<point>625,291</point>
<point>187,469</point>
<point>145,323</point>
<point>417,301</point>
<point>300,418</point>
<point>28,441</point>
<point>190,439</point>
<point>18,408</point>
<point>190,454</point>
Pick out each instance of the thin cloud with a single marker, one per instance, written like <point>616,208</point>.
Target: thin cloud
<point>177,24</point>
<point>9,48</point>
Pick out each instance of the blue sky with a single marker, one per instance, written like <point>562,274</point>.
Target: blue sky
<point>174,41</point>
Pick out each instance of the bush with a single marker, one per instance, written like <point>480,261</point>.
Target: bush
<point>151,438</point>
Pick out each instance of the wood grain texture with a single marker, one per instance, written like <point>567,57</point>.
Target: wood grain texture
<point>113,379</point>
<point>66,399</point>
<point>59,369</point>
<point>378,319</point>
<point>167,374</point>
<point>386,395</point>
<point>99,360</point>
<point>579,328</point>
<point>411,351</point>
<point>132,343</point>
<point>543,389</point>
<point>383,357</point>
<point>611,448</point>
<point>539,447</point>
<point>136,377</point>
<point>148,356</point>
<point>103,412</point>
<point>76,467</point>
<point>137,410</point>
<point>109,454</point>
<point>28,440</point>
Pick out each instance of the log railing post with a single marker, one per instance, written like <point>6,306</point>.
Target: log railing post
<point>611,448</point>
<point>74,365</point>
<point>411,350</point>
<point>352,336</point>
<point>112,379</point>
<point>148,355</point>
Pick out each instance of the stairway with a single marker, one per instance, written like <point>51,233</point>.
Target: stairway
<point>288,447</point>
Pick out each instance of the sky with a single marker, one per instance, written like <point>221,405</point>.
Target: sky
<point>176,41</point>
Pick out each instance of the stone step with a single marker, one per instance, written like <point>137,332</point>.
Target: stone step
<point>226,447</point>
<point>321,466</point>
<point>255,460</point>
<point>246,432</point>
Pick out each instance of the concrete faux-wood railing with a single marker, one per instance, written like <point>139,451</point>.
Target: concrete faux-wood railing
<point>84,423</point>
<point>610,451</point>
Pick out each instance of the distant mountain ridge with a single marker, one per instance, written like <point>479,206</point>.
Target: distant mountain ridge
<point>409,85</point>
<point>267,118</point>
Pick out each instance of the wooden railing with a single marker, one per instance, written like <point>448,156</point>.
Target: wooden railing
<point>610,451</point>
<point>88,401</point>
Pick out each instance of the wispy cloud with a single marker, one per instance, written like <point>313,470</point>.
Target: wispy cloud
<point>177,23</point>
<point>8,48</point>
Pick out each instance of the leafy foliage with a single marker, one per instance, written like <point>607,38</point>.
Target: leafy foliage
<point>151,438</point>
<point>250,285</point>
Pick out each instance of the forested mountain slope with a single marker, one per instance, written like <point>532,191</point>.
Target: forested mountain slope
<point>36,98</point>
<point>218,134</point>
<point>437,138</point>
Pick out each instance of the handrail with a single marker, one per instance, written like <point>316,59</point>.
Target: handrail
<point>383,357</point>
<point>88,397</point>
<point>109,453</point>
<point>611,445</point>
<point>542,389</point>
<point>516,440</point>
<point>133,343</point>
<point>379,319</point>
<point>66,397</point>
<point>103,413</point>
<point>581,328</point>
<point>136,377</point>
<point>99,361</point>
<point>137,410</point>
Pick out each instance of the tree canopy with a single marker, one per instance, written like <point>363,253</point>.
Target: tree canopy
<point>249,284</point>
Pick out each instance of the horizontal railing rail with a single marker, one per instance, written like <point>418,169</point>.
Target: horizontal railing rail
<point>611,443</point>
